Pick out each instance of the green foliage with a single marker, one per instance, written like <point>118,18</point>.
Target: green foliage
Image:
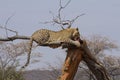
<point>10,73</point>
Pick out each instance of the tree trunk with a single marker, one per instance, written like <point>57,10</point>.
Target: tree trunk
<point>73,58</point>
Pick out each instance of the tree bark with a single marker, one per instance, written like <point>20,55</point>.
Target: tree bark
<point>73,58</point>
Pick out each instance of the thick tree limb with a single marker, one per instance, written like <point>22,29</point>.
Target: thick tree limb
<point>95,66</point>
<point>14,38</point>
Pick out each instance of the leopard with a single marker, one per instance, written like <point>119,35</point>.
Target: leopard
<point>53,39</point>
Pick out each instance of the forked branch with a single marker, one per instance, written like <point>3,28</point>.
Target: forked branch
<point>5,26</point>
<point>59,20</point>
<point>7,29</point>
<point>13,37</point>
<point>16,36</point>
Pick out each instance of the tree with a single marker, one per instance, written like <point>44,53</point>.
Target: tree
<point>82,53</point>
<point>9,61</point>
<point>112,65</point>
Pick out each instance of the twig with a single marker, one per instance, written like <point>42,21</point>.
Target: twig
<point>5,26</point>
<point>77,17</point>
<point>59,20</point>
<point>9,30</point>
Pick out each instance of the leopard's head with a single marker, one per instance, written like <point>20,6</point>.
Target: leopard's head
<point>76,34</point>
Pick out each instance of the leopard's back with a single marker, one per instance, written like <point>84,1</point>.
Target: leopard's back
<point>41,36</point>
<point>46,36</point>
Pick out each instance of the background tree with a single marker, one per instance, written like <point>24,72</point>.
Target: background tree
<point>98,45</point>
<point>9,61</point>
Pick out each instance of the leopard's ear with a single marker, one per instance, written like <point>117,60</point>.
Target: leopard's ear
<point>77,29</point>
<point>69,27</point>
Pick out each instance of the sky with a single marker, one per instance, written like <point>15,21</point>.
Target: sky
<point>101,17</point>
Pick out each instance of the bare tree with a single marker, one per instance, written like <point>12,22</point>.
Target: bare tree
<point>97,44</point>
<point>8,61</point>
<point>112,64</point>
<point>55,72</point>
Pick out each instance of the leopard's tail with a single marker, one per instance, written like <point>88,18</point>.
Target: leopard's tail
<point>29,52</point>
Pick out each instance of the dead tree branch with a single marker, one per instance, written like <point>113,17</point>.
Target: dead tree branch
<point>5,26</point>
<point>58,18</point>
<point>94,65</point>
<point>14,38</point>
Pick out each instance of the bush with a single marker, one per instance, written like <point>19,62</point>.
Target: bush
<point>10,73</point>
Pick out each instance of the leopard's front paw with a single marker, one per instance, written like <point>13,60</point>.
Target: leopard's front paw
<point>77,43</point>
